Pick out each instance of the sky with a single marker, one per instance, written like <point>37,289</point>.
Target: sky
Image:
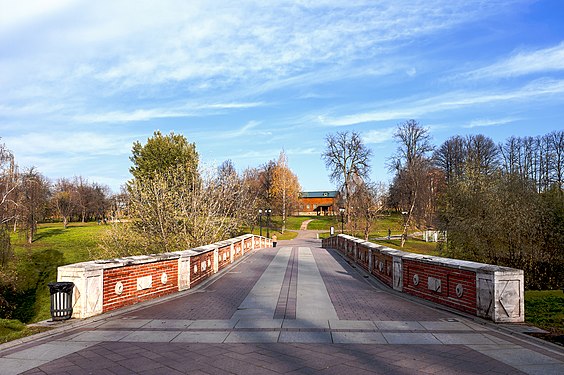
<point>80,81</point>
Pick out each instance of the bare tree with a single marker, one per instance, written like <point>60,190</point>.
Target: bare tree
<point>64,199</point>
<point>450,157</point>
<point>9,184</point>
<point>32,201</point>
<point>367,201</point>
<point>557,146</point>
<point>411,165</point>
<point>482,155</point>
<point>347,158</point>
<point>174,211</point>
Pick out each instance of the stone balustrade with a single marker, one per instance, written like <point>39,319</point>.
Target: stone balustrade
<point>484,290</point>
<point>105,285</point>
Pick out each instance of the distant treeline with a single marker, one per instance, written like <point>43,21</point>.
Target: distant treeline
<point>497,203</point>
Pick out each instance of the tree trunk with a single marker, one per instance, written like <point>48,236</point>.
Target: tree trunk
<point>284,208</point>
<point>407,220</point>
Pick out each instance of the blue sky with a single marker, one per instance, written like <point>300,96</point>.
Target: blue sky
<point>82,80</point>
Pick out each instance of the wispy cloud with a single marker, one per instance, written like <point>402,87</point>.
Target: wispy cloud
<point>189,110</point>
<point>69,143</point>
<point>523,63</point>
<point>248,129</point>
<point>376,136</point>
<point>401,110</point>
<point>211,44</point>
<point>489,122</point>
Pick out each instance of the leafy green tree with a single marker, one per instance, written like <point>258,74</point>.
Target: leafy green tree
<point>173,203</point>
<point>161,153</point>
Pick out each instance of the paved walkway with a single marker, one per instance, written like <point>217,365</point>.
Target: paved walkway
<point>294,309</point>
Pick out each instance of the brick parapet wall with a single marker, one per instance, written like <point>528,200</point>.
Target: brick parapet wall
<point>488,291</point>
<point>124,281</point>
<point>106,285</point>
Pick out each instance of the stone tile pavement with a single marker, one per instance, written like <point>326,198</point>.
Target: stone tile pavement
<point>335,321</point>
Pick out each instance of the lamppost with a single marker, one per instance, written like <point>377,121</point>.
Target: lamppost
<point>342,211</point>
<point>260,222</point>
<point>268,211</point>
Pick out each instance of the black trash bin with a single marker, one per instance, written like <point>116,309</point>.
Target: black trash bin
<point>61,299</point>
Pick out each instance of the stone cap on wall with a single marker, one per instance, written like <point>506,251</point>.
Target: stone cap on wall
<point>95,265</point>
<point>445,262</point>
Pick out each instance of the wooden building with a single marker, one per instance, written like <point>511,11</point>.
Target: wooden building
<point>318,203</point>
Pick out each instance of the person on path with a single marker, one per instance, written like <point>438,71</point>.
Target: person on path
<point>274,240</point>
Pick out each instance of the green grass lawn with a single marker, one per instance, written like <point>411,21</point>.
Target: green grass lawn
<point>74,242</point>
<point>14,329</point>
<point>545,309</point>
<point>37,263</point>
<point>295,222</point>
<point>288,235</point>
<point>412,246</point>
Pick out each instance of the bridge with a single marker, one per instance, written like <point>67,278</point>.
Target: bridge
<point>299,308</point>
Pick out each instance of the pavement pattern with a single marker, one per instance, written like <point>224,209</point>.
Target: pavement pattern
<point>294,309</point>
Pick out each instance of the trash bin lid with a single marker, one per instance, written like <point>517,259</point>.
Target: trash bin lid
<point>61,287</point>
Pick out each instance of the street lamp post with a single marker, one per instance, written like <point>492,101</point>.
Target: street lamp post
<point>342,211</point>
<point>260,222</point>
<point>268,211</point>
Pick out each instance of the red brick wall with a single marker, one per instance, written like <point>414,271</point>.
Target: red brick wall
<point>238,250</point>
<point>383,272</point>
<point>450,278</point>
<point>224,254</point>
<point>201,267</point>
<point>128,277</point>
<point>363,257</point>
<point>248,245</point>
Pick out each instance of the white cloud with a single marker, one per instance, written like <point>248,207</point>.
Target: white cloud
<point>16,14</point>
<point>523,63</point>
<point>246,130</point>
<point>489,122</point>
<point>378,135</point>
<point>413,108</point>
<point>411,72</point>
<point>216,44</point>
<point>68,143</point>
<point>188,110</point>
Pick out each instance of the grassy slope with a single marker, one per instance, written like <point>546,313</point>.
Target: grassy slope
<point>73,243</point>
<point>14,329</point>
<point>545,309</point>
<point>412,246</point>
<point>54,246</point>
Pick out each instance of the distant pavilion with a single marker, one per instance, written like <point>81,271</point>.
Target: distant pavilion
<point>318,203</point>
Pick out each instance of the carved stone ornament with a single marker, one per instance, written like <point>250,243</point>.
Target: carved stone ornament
<point>119,288</point>
<point>164,278</point>
<point>416,279</point>
<point>459,290</point>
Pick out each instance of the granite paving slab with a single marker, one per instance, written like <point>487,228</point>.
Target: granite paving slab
<point>358,338</point>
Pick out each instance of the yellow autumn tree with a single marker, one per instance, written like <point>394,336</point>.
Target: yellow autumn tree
<point>285,188</point>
